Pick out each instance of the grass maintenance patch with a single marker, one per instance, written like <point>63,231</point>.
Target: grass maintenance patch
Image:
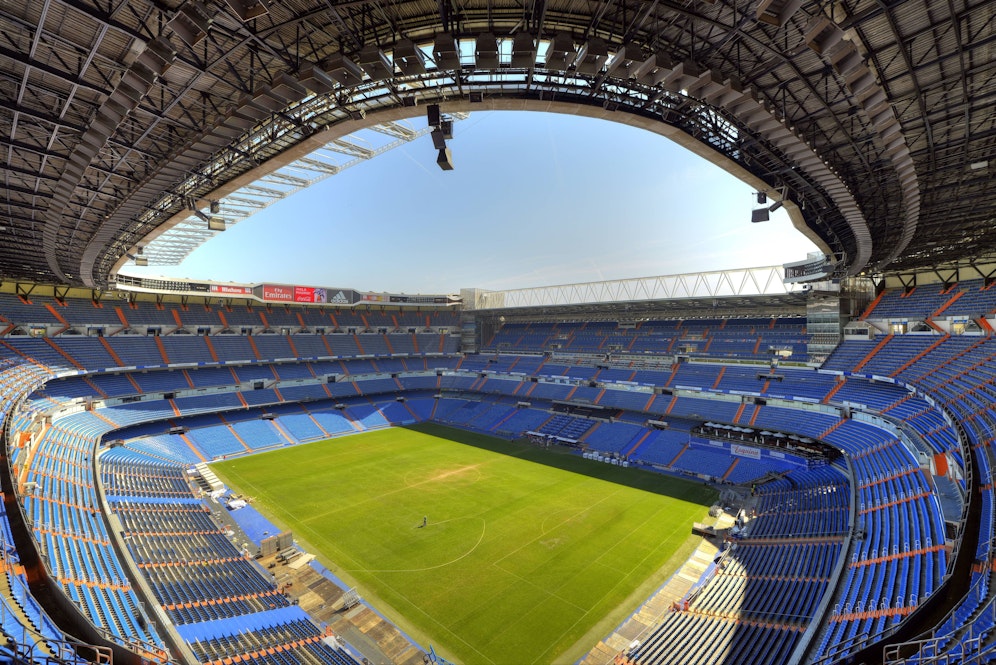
<point>523,551</point>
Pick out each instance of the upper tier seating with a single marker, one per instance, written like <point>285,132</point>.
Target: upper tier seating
<point>740,338</point>
<point>971,299</point>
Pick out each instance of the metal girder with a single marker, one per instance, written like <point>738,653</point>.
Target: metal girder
<point>719,284</point>
<point>395,129</point>
<point>175,244</point>
<point>349,148</point>
<point>239,97</point>
<point>317,165</point>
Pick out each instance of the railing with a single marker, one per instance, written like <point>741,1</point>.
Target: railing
<point>31,646</point>
<point>136,646</point>
<point>966,649</point>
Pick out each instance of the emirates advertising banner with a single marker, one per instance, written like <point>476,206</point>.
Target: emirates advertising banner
<point>317,295</point>
<point>278,293</point>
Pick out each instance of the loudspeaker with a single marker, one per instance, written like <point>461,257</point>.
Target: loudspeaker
<point>759,215</point>
<point>445,159</point>
<point>438,140</point>
<point>432,112</point>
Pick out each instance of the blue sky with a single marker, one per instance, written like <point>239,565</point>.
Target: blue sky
<point>535,199</point>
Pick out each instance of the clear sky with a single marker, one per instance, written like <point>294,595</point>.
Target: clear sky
<point>535,199</point>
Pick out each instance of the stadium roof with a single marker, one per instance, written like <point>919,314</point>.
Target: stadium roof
<point>695,292</point>
<point>870,121</point>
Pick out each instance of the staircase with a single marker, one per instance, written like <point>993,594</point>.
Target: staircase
<point>206,479</point>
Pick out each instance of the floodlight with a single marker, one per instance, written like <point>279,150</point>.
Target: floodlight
<point>859,79</point>
<point>654,69</point>
<point>776,12</point>
<point>287,88</point>
<point>247,10</point>
<point>343,70</point>
<point>315,80</point>
<point>139,76</point>
<point>592,56</point>
<point>248,111</point>
<point>486,51</point>
<point>409,58</point>
<point>113,111</point>
<point>682,76</point>
<point>822,34</point>
<point>191,23</point>
<point>264,98</point>
<point>158,55</point>
<point>845,58</point>
<point>183,28</point>
<point>128,93</point>
<point>445,52</point>
<point>375,63</point>
<point>626,62</point>
<point>708,83</point>
<point>523,51</point>
<point>560,54</point>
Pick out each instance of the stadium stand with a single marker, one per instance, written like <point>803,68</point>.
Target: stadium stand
<point>848,421</point>
<point>763,592</point>
<point>869,565</point>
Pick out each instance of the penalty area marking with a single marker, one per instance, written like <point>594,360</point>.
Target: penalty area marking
<point>484,526</point>
<point>442,475</point>
<point>408,485</point>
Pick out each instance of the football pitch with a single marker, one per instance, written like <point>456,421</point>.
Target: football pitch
<point>527,555</point>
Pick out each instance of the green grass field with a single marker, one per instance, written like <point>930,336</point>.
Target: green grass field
<point>529,555</point>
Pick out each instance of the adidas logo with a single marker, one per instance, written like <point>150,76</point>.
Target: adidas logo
<point>340,299</point>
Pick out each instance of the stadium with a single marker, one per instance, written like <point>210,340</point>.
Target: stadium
<point>776,464</point>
